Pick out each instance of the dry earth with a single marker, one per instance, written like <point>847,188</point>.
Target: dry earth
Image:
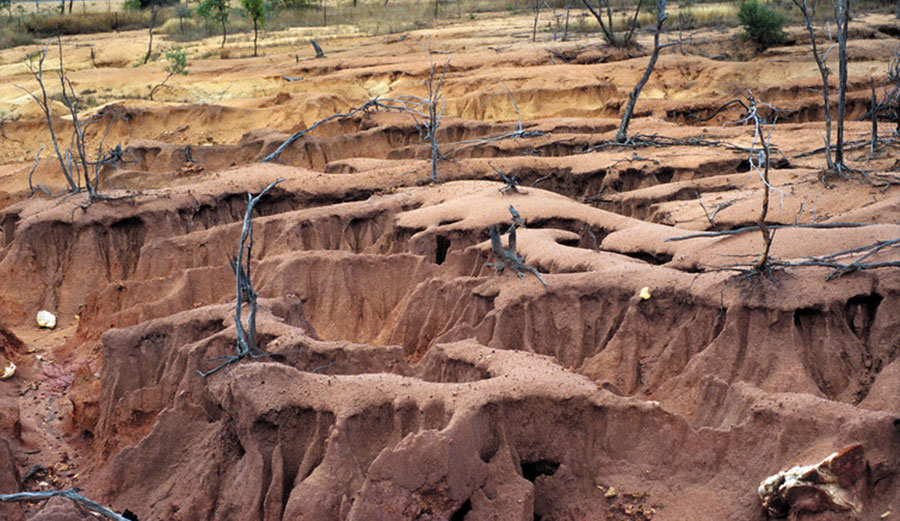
<point>406,379</point>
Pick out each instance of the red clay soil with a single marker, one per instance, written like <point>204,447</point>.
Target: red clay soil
<point>404,378</point>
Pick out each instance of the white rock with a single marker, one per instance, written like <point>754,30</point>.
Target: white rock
<point>46,319</point>
<point>8,371</point>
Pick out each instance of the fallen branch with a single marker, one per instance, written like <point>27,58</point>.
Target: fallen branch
<point>294,137</point>
<point>840,269</point>
<point>72,493</point>
<point>755,227</point>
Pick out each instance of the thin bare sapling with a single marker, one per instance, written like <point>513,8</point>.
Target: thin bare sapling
<point>661,16</point>
<point>240,265</point>
<point>824,72</point>
<point>606,27</point>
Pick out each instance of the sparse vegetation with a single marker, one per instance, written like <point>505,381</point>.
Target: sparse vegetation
<point>216,11</point>
<point>177,59</point>
<point>761,24</point>
<point>256,10</point>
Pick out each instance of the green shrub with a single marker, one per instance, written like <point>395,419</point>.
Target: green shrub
<point>177,59</point>
<point>761,24</point>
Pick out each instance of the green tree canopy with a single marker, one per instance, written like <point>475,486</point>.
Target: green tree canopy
<point>216,10</point>
<point>256,9</point>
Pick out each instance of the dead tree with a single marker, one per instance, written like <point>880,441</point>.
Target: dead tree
<point>72,493</point>
<point>842,19</point>
<point>760,165</point>
<point>823,72</point>
<point>661,16</point>
<point>609,34</point>
<point>427,112</point>
<point>240,265</point>
<point>507,257</point>
<point>43,101</point>
<point>435,104</point>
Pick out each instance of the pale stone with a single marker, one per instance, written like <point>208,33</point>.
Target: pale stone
<point>46,319</point>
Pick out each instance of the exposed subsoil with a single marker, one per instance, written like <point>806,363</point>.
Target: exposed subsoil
<point>405,377</point>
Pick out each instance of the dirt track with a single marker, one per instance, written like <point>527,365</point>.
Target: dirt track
<point>408,380</point>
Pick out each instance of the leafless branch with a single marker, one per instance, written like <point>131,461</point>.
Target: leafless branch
<point>72,493</point>
<point>507,257</point>
<point>755,227</point>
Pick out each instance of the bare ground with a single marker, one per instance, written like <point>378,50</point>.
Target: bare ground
<point>407,380</point>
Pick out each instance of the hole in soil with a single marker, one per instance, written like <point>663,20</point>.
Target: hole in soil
<point>487,453</point>
<point>569,242</point>
<point>860,313</point>
<point>744,165</point>
<point>461,512</point>
<point>532,469</point>
<point>442,245</point>
<point>665,175</point>
<point>657,259</point>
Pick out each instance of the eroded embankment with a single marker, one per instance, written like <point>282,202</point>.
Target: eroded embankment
<point>493,431</point>
<point>495,407</point>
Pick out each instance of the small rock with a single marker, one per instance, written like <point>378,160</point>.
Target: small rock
<point>645,293</point>
<point>611,492</point>
<point>815,488</point>
<point>46,319</point>
<point>8,371</point>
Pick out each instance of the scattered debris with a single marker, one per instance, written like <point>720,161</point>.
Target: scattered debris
<point>815,488</point>
<point>319,52</point>
<point>46,319</point>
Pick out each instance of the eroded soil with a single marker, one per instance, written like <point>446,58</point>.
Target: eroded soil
<point>405,378</point>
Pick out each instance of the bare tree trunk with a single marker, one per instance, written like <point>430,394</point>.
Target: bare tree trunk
<point>255,35</point>
<point>435,112</point>
<point>70,5</point>
<point>608,34</point>
<point>763,259</point>
<point>622,134</point>
<point>874,111</point>
<point>537,12</point>
<point>566,27</point>
<point>823,72</point>
<point>224,32</point>
<point>843,20</point>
